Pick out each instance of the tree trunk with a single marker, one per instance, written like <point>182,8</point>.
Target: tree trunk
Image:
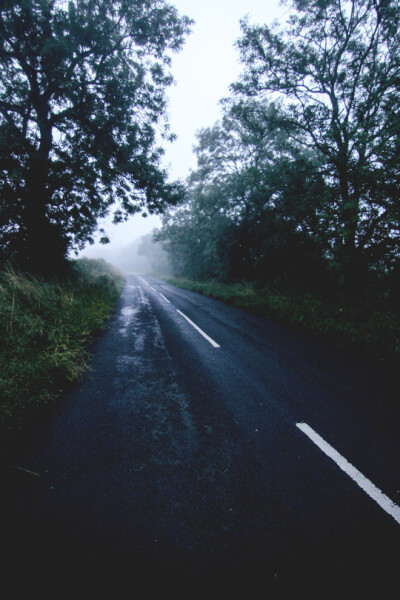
<point>44,247</point>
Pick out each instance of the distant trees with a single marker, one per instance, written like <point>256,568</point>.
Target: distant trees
<point>82,97</point>
<point>256,205</point>
<point>300,181</point>
<point>151,257</point>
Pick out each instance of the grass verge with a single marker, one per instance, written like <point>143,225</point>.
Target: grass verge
<point>46,328</point>
<point>369,330</point>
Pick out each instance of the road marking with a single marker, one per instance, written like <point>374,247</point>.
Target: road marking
<point>365,484</point>
<point>166,299</point>
<point>199,330</point>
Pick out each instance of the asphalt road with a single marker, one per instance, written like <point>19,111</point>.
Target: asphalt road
<point>210,453</point>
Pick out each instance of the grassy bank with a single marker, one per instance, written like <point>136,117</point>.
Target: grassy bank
<point>361,326</point>
<point>46,327</point>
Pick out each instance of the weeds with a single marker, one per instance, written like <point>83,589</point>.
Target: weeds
<point>46,327</point>
<point>344,322</point>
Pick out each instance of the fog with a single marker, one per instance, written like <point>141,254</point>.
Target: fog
<point>203,71</point>
<point>141,255</point>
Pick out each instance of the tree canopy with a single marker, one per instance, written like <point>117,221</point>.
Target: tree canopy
<point>299,183</point>
<point>336,64</point>
<point>82,113</point>
<point>256,204</point>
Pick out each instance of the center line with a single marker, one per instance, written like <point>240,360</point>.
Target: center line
<point>166,299</point>
<point>365,484</point>
<point>199,330</point>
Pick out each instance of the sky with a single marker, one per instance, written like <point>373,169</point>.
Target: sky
<point>203,71</point>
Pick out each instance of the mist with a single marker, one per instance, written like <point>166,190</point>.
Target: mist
<point>141,255</point>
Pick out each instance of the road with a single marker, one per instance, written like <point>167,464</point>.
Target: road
<point>210,453</point>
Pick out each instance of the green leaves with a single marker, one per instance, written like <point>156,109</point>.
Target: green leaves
<point>255,208</point>
<point>83,93</point>
<point>336,68</point>
<point>45,327</point>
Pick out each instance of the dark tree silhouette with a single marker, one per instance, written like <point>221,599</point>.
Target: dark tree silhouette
<point>336,66</point>
<point>82,101</point>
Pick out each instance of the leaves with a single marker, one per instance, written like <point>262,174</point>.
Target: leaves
<point>336,68</point>
<point>298,184</point>
<point>82,97</point>
<point>45,328</point>
<point>255,208</point>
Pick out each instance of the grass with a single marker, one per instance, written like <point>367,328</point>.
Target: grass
<point>360,326</point>
<point>46,328</point>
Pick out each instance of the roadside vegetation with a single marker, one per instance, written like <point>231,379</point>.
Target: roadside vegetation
<point>370,329</point>
<point>46,329</point>
<point>293,209</point>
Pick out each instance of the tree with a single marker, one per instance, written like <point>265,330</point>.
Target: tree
<point>257,205</point>
<point>82,107</point>
<point>336,65</point>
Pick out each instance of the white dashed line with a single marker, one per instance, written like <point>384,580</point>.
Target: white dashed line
<point>166,299</point>
<point>199,330</point>
<point>365,484</point>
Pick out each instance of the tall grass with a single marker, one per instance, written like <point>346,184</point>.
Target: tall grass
<point>361,326</point>
<point>45,329</point>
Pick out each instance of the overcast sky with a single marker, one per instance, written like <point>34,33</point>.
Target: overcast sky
<point>203,71</point>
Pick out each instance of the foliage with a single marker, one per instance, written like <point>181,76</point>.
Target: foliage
<point>97,273</point>
<point>298,185</point>
<point>46,326</point>
<point>257,205</point>
<point>82,107</point>
<point>336,66</point>
<point>153,257</point>
<point>365,328</point>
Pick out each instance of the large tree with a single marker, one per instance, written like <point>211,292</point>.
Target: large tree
<point>336,64</point>
<point>82,112</point>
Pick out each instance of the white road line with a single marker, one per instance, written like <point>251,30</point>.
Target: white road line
<point>199,330</point>
<point>166,299</point>
<point>365,484</point>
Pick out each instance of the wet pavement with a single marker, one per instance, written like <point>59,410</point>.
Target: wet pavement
<point>152,474</point>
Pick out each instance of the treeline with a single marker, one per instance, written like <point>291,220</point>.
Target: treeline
<point>142,255</point>
<point>297,186</point>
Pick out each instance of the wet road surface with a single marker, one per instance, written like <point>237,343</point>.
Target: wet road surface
<point>183,463</point>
